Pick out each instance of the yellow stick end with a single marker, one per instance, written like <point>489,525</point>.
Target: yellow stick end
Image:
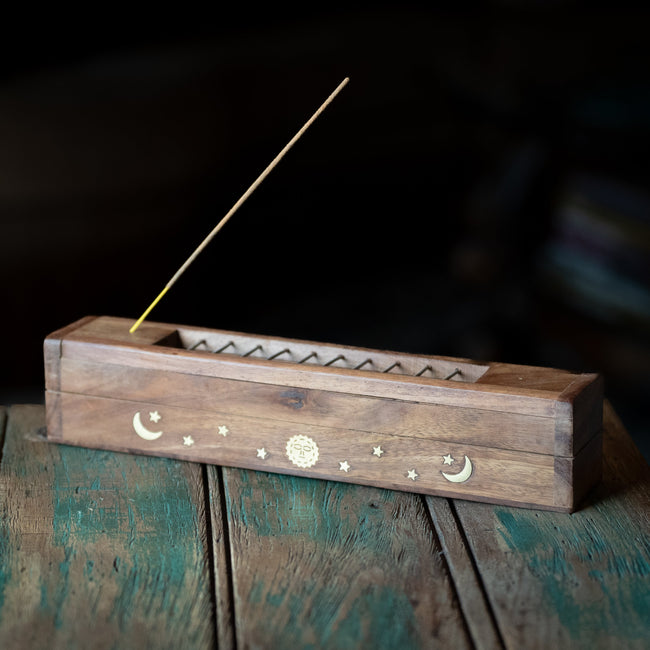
<point>147,310</point>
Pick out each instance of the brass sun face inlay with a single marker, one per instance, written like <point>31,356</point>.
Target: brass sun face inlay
<point>302,451</point>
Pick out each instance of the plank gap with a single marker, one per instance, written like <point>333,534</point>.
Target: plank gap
<point>228,554</point>
<point>449,568</point>
<point>210,541</point>
<point>222,559</point>
<point>464,575</point>
<point>477,573</point>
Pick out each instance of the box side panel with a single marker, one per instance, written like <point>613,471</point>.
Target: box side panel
<point>204,339</point>
<point>579,414</point>
<point>52,352</point>
<point>335,453</point>
<point>587,412</point>
<point>358,382</point>
<point>310,406</point>
<point>53,415</point>
<point>588,469</point>
<point>574,477</point>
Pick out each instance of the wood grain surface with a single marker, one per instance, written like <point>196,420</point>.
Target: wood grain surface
<point>108,550</point>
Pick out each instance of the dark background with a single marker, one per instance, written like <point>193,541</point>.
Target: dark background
<point>479,189</point>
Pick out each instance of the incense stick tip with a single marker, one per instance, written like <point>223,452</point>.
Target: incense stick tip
<point>148,309</point>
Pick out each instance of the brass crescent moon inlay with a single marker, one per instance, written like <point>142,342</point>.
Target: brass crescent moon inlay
<point>142,431</point>
<point>463,475</point>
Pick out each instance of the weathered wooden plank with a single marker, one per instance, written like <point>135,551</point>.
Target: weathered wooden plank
<point>567,581</point>
<point>322,564</point>
<point>99,549</point>
<point>52,352</point>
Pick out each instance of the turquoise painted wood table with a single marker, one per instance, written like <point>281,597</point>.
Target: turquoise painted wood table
<point>105,550</point>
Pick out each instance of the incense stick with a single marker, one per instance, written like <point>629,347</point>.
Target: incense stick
<point>237,205</point>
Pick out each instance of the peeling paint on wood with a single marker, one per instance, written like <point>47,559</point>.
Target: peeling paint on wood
<point>323,564</point>
<point>586,575</point>
<point>576,552</point>
<point>100,550</point>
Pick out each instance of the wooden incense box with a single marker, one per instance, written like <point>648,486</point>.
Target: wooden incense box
<point>494,432</point>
